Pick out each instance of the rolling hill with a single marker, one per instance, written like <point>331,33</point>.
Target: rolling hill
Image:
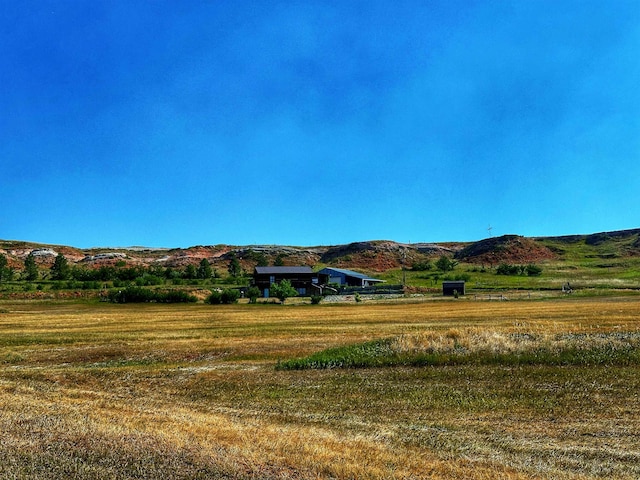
<point>378,255</point>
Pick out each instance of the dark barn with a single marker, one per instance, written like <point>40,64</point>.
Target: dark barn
<point>301,278</point>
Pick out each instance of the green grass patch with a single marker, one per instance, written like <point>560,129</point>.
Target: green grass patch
<point>377,353</point>
<point>603,349</point>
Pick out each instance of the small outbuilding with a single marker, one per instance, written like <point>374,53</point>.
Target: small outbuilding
<point>349,278</point>
<point>451,288</point>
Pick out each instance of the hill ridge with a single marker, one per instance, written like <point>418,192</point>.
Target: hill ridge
<point>375,255</point>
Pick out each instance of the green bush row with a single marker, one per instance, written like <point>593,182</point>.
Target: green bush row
<point>226,296</point>
<point>146,295</point>
<point>530,270</point>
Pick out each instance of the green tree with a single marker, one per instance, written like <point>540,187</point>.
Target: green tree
<point>261,259</point>
<point>204,269</point>
<point>171,274</point>
<point>30,268</point>
<point>253,293</point>
<point>235,269</point>
<point>155,270</point>
<point>190,272</point>
<point>279,261</point>
<point>445,264</point>
<point>3,267</point>
<point>421,266</point>
<point>283,290</point>
<point>60,269</point>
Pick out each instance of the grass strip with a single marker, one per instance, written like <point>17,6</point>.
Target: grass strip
<point>377,353</point>
<point>602,350</point>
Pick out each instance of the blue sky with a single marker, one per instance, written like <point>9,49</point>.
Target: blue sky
<point>166,123</point>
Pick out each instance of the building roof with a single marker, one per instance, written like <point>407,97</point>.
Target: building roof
<point>351,273</point>
<point>282,270</point>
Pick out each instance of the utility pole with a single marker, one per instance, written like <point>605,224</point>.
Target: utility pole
<point>404,271</point>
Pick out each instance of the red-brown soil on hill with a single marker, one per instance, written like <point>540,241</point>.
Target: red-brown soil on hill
<point>511,249</point>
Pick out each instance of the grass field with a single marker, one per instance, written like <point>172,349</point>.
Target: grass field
<point>93,390</point>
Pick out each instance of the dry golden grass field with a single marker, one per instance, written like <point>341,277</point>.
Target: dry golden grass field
<point>101,391</point>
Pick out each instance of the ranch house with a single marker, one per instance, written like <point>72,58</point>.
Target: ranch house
<point>302,279</point>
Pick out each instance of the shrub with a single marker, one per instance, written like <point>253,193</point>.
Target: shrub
<point>446,264</point>
<point>316,299</point>
<point>226,296</point>
<point>230,295</point>
<point>507,269</point>
<point>421,266</point>
<point>135,294</point>
<point>148,280</point>
<point>73,285</point>
<point>533,270</point>
<point>253,293</point>
<point>175,296</point>
<point>131,295</point>
<point>129,274</point>
<point>214,298</point>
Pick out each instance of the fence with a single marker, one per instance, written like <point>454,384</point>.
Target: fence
<point>373,290</point>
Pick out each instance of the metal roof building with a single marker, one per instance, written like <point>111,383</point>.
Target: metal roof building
<point>282,270</point>
<point>342,276</point>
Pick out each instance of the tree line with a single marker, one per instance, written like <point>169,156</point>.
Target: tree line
<point>62,270</point>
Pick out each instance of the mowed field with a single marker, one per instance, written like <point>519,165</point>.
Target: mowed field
<point>107,391</point>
